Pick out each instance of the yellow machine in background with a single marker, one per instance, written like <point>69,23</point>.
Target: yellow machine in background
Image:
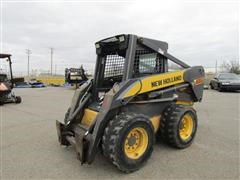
<point>51,80</point>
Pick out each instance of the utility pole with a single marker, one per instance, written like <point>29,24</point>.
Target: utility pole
<point>28,52</point>
<point>51,61</point>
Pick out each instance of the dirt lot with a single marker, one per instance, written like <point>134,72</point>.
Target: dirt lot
<point>29,147</point>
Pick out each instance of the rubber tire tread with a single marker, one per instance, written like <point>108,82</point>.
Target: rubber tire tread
<point>169,125</point>
<point>18,99</point>
<point>112,136</point>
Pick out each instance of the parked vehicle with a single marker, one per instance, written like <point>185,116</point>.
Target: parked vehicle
<point>75,76</point>
<point>22,85</point>
<point>36,84</point>
<point>225,81</point>
<point>6,84</point>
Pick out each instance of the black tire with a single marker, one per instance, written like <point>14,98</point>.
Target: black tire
<point>171,123</point>
<point>115,134</point>
<point>220,89</point>
<point>18,99</point>
<point>211,86</point>
<point>66,116</point>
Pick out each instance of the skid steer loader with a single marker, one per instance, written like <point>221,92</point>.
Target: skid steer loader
<point>132,99</point>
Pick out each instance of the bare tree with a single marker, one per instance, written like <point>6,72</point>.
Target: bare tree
<point>231,66</point>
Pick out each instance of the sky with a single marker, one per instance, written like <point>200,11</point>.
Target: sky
<point>198,32</point>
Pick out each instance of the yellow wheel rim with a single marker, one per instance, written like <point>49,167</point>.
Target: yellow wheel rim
<point>186,127</point>
<point>136,143</point>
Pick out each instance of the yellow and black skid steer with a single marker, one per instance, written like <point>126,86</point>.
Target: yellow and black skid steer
<point>133,98</point>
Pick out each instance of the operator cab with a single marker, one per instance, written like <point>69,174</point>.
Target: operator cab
<point>114,63</point>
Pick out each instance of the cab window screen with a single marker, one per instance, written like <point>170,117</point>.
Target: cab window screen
<point>114,66</point>
<point>147,63</point>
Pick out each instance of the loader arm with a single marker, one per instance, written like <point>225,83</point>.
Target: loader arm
<point>160,50</point>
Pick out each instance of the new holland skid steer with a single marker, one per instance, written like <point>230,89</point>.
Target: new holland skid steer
<point>133,98</point>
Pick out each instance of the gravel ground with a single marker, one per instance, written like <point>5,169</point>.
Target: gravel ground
<point>29,146</point>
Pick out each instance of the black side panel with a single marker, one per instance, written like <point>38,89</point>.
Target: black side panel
<point>97,76</point>
<point>130,55</point>
<point>148,109</point>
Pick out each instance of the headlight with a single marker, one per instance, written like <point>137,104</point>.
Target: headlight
<point>121,39</point>
<point>97,46</point>
<point>225,83</point>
